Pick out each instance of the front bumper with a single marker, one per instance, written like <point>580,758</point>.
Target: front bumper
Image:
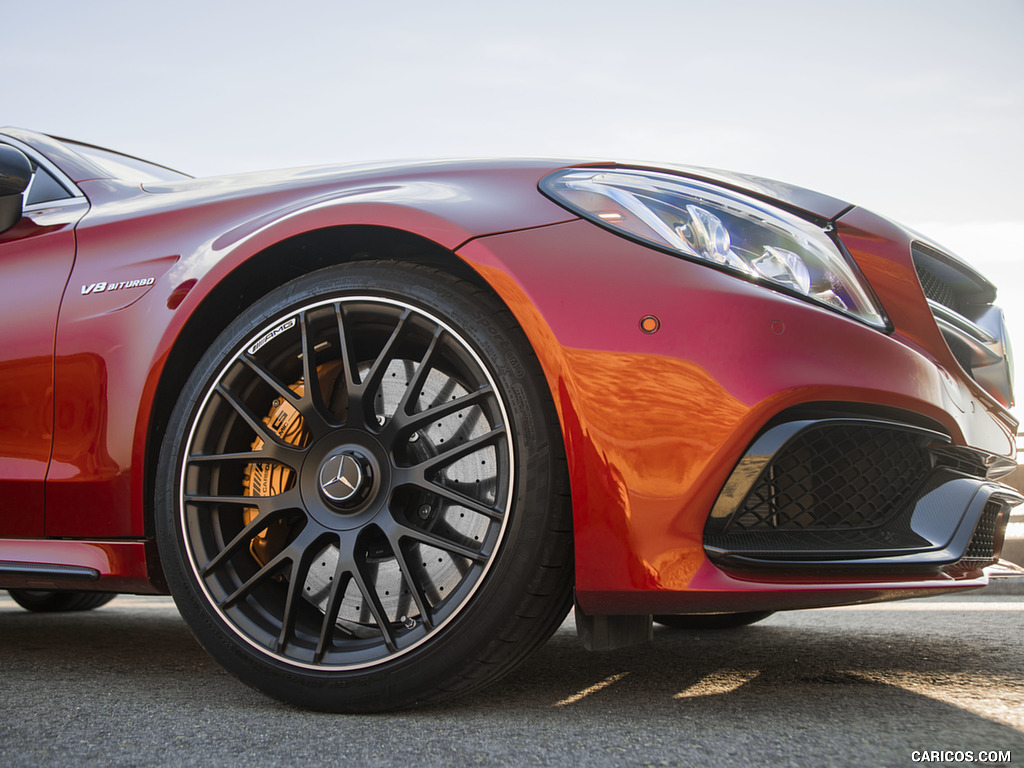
<point>655,424</point>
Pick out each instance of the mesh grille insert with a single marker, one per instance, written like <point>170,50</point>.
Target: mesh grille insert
<point>983,542</point>
<point>846,477</point>
<point>938,290</point>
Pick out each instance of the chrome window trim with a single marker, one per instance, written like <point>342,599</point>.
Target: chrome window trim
<point>64,202</point>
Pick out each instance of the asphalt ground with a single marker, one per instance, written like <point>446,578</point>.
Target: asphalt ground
<point>880,685</point>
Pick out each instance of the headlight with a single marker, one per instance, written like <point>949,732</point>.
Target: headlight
<point>703,222</point>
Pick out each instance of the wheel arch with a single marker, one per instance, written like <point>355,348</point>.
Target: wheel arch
<point>390,312</point>
<point>256,276</point>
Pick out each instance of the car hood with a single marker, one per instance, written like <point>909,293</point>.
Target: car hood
<point>347,175</point>
<point>462,199</point>
<point>800,200</point>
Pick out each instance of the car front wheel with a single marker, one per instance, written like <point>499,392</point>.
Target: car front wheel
<point>363,498</point>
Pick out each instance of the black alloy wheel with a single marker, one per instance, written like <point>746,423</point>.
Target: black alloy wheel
<point>363,500</point>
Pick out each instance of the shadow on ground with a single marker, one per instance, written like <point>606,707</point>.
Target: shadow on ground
<point>127,684</point>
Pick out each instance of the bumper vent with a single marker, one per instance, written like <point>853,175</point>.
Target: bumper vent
<point>844,476</point>
<point>987,541</point>
<point>854,493</point>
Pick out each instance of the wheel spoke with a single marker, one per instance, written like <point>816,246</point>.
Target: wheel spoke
<point>372,600</point>
<point>461,499</point>
<point>288,455</point>
<point>411,422</point>
<point>351,370</point>
<point>296,580</point>
<point>374,376</point>
<point>348,380</point>
<point>314,420</point>
<point>316,415</point>
<point>339,585</point>
<point>439,542</point>
<point>268,436</point>
<point>272,567</point>
<point>361,395</point>
<point>290,499</point>
<point>459,451</point>
<point>419,378</point>
<point>285,392</point>
<point>418,596</point>
<point>245,501</point>
<point>244,537</point>
<point>246,457</point>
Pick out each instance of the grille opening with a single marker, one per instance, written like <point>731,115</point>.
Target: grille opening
<point>974,329</point>
<point>847,477</point>
<point>965,461</point>
<point>938,290</point>
<point>948,281</point>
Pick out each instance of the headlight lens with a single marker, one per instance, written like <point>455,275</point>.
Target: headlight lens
<point>707,223</point>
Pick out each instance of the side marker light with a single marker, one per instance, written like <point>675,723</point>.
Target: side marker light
<point>649,324</point>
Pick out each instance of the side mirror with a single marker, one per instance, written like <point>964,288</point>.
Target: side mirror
<point>15,174</point>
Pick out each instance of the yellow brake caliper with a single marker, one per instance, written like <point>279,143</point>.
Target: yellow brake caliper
<point>271,479</point>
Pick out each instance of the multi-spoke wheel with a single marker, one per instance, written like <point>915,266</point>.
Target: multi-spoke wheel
<point>361,502</point>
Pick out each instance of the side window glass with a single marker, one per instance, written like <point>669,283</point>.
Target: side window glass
<point>44,187</point>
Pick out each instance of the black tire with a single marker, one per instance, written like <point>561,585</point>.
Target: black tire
<point>52,601</point>
<point>712,620</point>
<point>411,535</point>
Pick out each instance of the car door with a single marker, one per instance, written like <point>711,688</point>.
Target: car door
<point>36,256</point>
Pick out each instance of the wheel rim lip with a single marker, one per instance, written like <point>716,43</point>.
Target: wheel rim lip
<point>251,339</point>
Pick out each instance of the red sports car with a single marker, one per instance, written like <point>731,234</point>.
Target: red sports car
<point>376,428</point>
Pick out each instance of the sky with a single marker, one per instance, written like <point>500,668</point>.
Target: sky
<point>912,108</point>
